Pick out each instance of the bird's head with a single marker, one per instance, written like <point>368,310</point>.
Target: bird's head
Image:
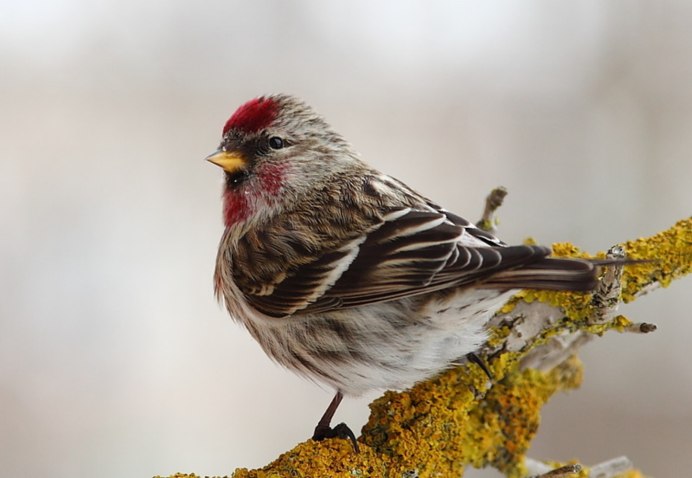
<point>273,150</point>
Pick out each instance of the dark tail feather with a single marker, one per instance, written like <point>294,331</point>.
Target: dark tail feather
<point>550,274</point>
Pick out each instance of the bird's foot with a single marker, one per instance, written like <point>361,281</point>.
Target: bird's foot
<point>339,431</point>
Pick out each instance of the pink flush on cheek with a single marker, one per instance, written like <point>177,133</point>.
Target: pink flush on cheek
<point>253,116</point>
<point>271,177</point>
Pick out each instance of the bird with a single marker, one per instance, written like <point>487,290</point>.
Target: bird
<point>346,275</point>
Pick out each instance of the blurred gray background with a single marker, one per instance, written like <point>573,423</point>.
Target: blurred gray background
<point>115,359</point>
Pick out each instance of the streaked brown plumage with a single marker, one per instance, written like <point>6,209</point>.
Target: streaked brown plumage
<point>346,275</point>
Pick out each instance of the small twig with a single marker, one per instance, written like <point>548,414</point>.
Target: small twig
<point>611,468</point>
<point>641,328</point>
<point>607,469</point>
<point>492,202</point>
<point>542,470</point>
<point>562,472</point>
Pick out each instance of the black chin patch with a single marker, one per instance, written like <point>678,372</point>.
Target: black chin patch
<point>233,180</point>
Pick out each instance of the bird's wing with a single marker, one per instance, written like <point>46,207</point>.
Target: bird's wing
<point>313,263</point>
<point>416,252</point>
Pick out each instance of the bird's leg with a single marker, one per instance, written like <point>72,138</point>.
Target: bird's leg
<point>473,358</point>
<point>324,430</point>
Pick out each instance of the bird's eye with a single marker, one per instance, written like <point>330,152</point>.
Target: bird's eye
<point>276,143</point>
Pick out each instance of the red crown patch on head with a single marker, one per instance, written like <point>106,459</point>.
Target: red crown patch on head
<point>253,115</point>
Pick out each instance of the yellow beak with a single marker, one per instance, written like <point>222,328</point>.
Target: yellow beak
<point>228,161</point>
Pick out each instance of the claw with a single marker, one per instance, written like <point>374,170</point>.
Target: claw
<point>339,431</point>
<point>473,358</point>
<point>324,430</point>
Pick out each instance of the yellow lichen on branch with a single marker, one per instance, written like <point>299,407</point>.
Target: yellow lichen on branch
<point>666,255</point>
<point>459,418</point>
<point>672,251</point>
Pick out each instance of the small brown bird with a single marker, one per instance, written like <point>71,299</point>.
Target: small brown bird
<point>348,276</point>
